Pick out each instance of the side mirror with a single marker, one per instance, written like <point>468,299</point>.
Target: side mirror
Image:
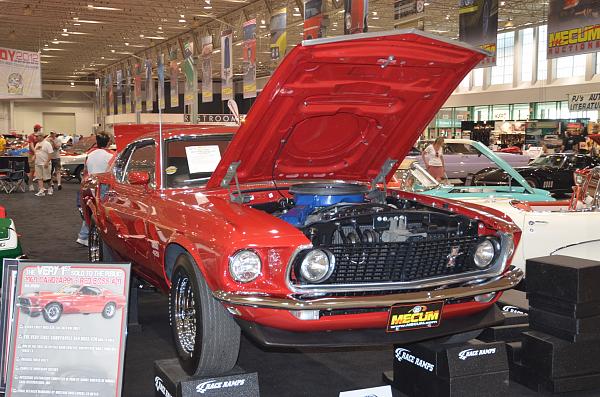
<point>138,178</point>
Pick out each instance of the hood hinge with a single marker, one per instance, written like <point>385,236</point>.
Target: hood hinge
<point>375,194</point>
<point>238,196</point>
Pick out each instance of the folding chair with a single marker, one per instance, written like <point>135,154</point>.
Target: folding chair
<point>16,181</point>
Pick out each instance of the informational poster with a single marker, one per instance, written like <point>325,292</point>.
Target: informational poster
<point>314,26</point>
<point>573,27</point>
<point>249,58</point>
<point>128,88</point>
<point>20,74</point>
<point>174,77</point>
<point>406,9</point>
<point>355,16</point>
<point>226,65</point>
<point>278,35</point>
<point>119,91</point>
<point>189,70</point>
<point>584,102</point>
<point>7,315</point>
<point>70,328</point>
<point>137,87</point>
<point>149,85</point>
<point>206,58</point>
<point>478,26</point>
<point>160,71</point>
<point>111,94</point>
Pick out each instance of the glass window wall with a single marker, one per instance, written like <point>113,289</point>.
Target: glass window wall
<point>527,54</point>
<point>502,73</point>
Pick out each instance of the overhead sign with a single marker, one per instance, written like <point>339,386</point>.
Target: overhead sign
<point>20,74</point>
<point>314,19</point>
<point>408,8</point>
<point>174,77</point>
<point>206,58</point>
<point>573,27</point>
<point>160,71</point>
<point>249,58</point>
<point>226,65</point>
<point>582,102</point>
<point>355,16</point>
<point>69,331</point>
<point>212,118</point>
<point>278,35</point>
<point>189,70</point>
<point>478,26</point>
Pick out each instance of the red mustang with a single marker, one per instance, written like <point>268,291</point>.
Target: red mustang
<point>71,299</point>
<point>284,229</point>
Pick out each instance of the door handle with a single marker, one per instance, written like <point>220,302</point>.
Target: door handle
<point>531,223</point>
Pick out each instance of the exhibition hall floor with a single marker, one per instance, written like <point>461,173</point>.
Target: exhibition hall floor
<point>48,227</point>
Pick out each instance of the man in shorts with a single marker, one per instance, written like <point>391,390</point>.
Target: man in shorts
<point>31,141</point>
<point>43,171</point>
<point>55,157</point>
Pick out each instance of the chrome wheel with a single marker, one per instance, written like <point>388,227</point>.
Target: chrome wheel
<point>52,312</point>
<point>185,314</point>
<point>109,310</point>
<point>94,245</point>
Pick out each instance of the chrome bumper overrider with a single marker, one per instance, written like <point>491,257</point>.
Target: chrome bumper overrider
<point>506,281</point>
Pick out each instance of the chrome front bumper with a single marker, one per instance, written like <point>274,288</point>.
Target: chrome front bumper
<point>503,282</point>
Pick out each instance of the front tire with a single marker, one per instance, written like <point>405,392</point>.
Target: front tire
<point>533,182</point>
<point>52,312</point>
<point>207,339</point>
<point>98,251</point>
<point>109,310</point>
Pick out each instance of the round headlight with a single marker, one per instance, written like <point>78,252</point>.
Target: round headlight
<point>244,266</point>
<point>317,266</point>
<point>484,254</point>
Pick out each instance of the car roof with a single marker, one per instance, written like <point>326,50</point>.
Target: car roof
<point>169,133</point>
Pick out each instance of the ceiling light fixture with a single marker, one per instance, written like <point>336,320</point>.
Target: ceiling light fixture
<point>208,7</point>
<point>112,51</point>
<point>88,21</point>
<point>93,7</point>
<point>64,34</point>
<point>182,20</point>
<point>126,44</point>
<point>142,36</point>
<point>28,11</point>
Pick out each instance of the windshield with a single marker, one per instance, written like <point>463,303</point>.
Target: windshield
<point>83,145</point>
<point>191,160</point>
<point>415,179</point>
<point>459,148</point>
<point>549,161</point>
<point>69,289</point>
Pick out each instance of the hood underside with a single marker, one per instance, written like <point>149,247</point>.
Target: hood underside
<point>339,108</point>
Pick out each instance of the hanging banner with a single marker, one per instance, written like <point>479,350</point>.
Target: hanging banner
<point>189,70</point>
<point>105,91</point>
<point>111,94</point>
<point>207,83</point>
<point>408,9</point>
<point>355,16</point>
<point>573,27</point>
<point>226,65</point>
<point>584,102</point>
<point>20,74</point>
<point>137,87</point>
<point>160,70</point>
<point>278,35</point>
<point>119,91</point>
<point>128,106</point>
<point>478,26</point>
<point>98,101</point>
<point>174,77</point>
<point>249,58</point>
<point>149,85</point>
<point>313,19</point>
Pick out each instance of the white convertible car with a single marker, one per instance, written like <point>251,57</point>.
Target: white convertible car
<point>570,228</point>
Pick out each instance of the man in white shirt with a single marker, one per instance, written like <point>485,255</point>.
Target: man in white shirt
<point>55,157</point>
<point>96,163</point>
<point>43,149</point>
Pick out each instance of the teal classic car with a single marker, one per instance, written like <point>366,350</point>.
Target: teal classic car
<point>410,176</point>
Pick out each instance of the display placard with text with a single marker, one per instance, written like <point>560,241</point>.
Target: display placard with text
<point>69,332</point>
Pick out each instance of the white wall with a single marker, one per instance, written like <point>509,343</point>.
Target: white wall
<point>27,114</point>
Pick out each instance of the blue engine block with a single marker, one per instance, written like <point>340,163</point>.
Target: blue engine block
<point>308,203</point>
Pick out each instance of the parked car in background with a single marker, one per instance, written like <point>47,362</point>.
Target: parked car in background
<point>462,159</point>
<point>71,299</point>
<point>255,231</point>
<point>73,159</point>
<point>553,172</point>
<point>412,177</point>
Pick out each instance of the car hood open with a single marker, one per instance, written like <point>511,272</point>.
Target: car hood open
<point>338,108</point>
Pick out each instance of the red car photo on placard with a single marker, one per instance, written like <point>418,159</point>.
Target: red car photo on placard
<point>71,299</point>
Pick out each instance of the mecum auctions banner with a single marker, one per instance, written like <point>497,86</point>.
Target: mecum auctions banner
<point>189,70</point>
<point>119,91</point>
<point>249,58</point>
<point>111,94</point>
<point>355,16</point>
<point>160,71</point>
<point>206,59</point>
<point>573,27</point>
<point>137,87</point>
<point>226,65</point>
<point>278,35</point>
<point>149,85</point>
<point>174,77</point>
<point>478,26</point>
<point>20,74</point>
<point>128,107</point>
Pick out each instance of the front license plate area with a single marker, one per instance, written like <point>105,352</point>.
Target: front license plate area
<point>415,316</point>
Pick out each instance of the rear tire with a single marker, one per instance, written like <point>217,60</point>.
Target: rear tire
<point>52,312</point>
<point>532,182</point>
<point>207,338</point>
<point>109,310</point>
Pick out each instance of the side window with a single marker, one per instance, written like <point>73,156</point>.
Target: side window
<point>121,163</point>
<point>581,162</point>
<point>142,159</point>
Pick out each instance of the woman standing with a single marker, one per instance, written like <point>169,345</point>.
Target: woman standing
<point>433,156</point>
